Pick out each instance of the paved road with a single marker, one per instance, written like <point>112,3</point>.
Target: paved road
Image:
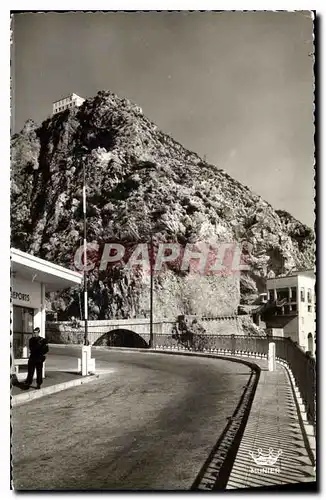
<point>150,425</point>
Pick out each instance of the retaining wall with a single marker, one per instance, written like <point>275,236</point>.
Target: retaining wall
<point>66,332</point>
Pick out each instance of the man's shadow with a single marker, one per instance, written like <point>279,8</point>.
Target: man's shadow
<point>15,383</point>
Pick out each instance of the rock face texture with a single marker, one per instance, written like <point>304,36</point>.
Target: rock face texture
<point>141,182</point>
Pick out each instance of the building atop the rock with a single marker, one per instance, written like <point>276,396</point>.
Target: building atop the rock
<point>71,101</point>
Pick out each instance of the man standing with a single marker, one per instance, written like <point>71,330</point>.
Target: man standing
<point>38,347</point>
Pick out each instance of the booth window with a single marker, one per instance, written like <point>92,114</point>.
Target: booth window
<point>23,322</point>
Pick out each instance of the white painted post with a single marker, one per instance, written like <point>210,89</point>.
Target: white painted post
<point>89,357</point>
<point>87,364</point>
<point>84,360</point>
<point>25,354</point>
<point>271,357</point>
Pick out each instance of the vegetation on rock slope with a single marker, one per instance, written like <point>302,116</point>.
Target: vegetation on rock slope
<point>140,181</point>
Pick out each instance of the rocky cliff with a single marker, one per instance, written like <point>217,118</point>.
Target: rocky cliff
<point>140,182</point>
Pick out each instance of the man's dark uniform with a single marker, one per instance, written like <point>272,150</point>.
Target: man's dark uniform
<point>38,347</point>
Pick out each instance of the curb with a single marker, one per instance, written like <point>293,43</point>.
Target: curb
<point>36,394</point>
<point>215,473</point>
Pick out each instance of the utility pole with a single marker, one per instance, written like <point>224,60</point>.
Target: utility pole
<point>151,335</point>
<point>85,259</point>
<point>86,364</point>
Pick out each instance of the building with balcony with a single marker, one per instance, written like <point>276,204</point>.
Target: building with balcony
<point>290,308</point>
<point>71,101</point>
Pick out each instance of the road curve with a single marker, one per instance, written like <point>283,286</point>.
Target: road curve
<point>149,425</point>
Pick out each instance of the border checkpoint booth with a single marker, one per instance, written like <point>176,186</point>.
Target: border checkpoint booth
<point>31,277</point>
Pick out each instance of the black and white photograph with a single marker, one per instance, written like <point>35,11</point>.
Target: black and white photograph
<point>163,251</point>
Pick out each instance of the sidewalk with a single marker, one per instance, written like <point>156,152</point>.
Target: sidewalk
<point>58,369</point>
<point>52,378</point>
<point>273,423</point>
<point>60,374</point>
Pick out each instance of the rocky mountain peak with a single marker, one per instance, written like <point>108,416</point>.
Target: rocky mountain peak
<point>140,182</point>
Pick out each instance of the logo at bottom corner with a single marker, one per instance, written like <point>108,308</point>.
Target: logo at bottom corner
<point>265,463</point>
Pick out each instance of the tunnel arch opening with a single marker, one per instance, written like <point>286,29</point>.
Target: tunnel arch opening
<point>121,337</point>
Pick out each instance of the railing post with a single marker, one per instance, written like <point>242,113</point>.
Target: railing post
<point>232,344</point>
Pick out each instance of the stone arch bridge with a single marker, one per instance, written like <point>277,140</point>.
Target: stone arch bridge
<point>134,332</point>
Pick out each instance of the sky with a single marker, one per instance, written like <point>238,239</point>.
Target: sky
<point>235,87</point>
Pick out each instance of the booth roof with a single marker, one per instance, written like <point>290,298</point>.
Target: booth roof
<point>31,268</point>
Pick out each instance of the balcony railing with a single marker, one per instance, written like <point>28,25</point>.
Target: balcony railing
<point>282,302</point>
